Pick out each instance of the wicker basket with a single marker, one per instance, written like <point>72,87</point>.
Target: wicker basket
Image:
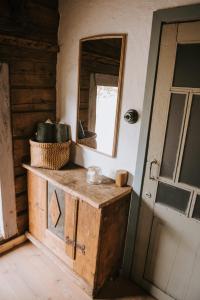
<point>49,155</point>
<point>89,140</point>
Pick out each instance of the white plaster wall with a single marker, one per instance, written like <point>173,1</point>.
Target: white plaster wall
<point>83,18</point>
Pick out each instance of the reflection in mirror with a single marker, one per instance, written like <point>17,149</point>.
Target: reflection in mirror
<point>101,62</point>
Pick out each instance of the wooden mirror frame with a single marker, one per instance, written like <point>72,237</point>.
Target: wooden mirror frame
<point>123,36</point>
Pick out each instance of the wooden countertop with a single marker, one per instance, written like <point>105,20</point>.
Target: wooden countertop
<point>72,180</point>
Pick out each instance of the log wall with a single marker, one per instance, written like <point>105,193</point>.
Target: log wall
<point>28,43</point>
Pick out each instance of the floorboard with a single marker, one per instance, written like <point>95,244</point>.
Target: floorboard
<point>28,274</point>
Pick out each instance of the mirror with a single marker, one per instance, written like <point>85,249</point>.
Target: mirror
<point>100,79</point>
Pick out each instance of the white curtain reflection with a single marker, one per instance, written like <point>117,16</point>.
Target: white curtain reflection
<point>106,107</point>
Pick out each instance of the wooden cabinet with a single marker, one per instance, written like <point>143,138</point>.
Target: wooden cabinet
<point>83,225</point>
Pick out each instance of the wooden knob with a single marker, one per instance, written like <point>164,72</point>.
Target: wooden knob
<point>121,178</point>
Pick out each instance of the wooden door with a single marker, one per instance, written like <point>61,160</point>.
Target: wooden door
<point>167,255</point>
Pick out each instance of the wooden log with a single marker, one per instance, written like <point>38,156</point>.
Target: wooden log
<point>27,43</point>
<point>83,116</point>
<point>32,80</point>
<point>21,202</point>
<point>21,150</point>
<point>34,107</point>
<point>30,67</point>
<point>26,29</point>
<point>12,244</point>
<point>84,95</point>
<point>8,53</point>
<point>20,184</point>
<point>22,222</point>
<point>24,124</point>
<point>8,206</point>
<point>42,16</point>
<point>19,170</point>
<point>28,38</point>
<point>83,105</point>
<point>33,96</point>
<point>46,3</point>
<point>84,79</point>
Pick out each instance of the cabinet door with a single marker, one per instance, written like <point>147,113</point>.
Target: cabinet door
<point>71,215</point>
<point>87,236</point>
<point>37,195</point>
<point>55,237</point>
<point>82,225</point>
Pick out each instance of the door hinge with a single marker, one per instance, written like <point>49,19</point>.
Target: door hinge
<point>75,244</point>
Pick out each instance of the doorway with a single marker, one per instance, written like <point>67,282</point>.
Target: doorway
<point>167,253</point>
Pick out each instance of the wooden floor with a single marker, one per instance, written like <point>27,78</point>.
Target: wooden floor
<point>26,274</point>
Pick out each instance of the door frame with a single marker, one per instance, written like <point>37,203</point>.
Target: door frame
<point>164,16</point>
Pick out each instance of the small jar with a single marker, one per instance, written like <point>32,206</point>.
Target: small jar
<point>94,175</point>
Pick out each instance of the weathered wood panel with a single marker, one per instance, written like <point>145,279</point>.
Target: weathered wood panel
<point>20,150</point>
<point>94,236</point>
<point>36,96</point>
<point>12,53</point>
<point>72,180</point>
<point>22,222</point>
<point>32,80</point>
<point>71,214</point>
<point>28,43</point>
<point>25,124</point>
<point>21,202</point>
<point>19,171</point>
<point>20,184</point>
<point>7,190</point>
<point>29,18</point>
<point>34,107</point>
<point>112,236</point>
<point>87,235</point>
<point>26,66</point>
<point>37,195</point>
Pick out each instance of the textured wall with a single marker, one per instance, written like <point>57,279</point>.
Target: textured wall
<point>79,19</point>
<point>28,43</point>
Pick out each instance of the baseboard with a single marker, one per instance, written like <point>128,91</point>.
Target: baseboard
<point>12,243</point>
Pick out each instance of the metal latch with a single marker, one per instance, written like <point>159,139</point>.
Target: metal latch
<point>153,163</point>
<point>75,244</point>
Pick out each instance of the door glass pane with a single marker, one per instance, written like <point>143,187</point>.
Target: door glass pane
<point>172,196</point>
<point>190,169</point>
<point>187,66</point>
<point>196,211</point>
<point>172,136</point>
